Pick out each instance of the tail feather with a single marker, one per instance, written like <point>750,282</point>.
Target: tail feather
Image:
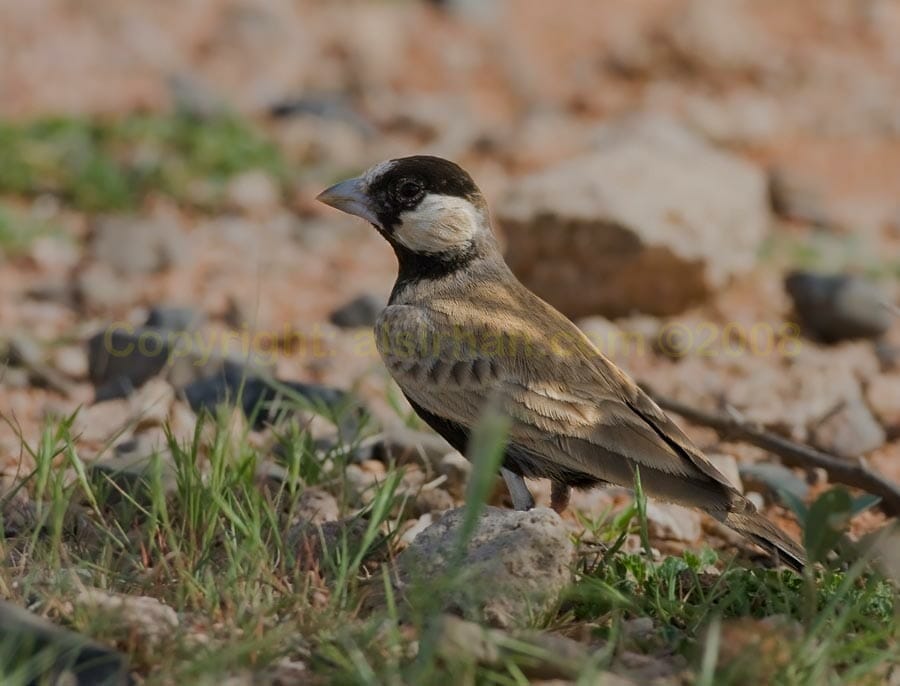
<point>766,535</point>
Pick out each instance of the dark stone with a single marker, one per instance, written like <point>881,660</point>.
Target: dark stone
<point>263,400</point>
<point>331,108</point>
<point>69,657</point>
<point>837,307</point>
<point>27,354</point>
<point>170,318</point>
<point>120,360</point>
<point>363,310</point>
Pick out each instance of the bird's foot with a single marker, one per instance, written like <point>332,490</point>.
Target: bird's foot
<point>559,496</point>
<point>518,491</point>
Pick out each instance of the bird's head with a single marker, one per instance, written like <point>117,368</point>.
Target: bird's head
<point>426,207</point>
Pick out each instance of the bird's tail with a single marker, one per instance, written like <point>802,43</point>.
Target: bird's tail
<point>766,535</point>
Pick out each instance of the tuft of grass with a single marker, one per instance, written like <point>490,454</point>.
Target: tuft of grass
<point>105,165</point>
<point>18,231</point>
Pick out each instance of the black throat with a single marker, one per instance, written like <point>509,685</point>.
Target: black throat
<point>415,267</point>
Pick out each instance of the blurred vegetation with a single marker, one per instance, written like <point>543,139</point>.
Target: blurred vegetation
<point>103,165</point>
<point>18,231</point>
<point>828,252</point>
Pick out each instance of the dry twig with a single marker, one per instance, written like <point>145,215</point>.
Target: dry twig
<point>855,473</point>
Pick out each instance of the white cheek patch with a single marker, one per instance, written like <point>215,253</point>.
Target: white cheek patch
<point>438,224</point>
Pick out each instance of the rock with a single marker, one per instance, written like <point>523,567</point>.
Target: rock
<point>671,522</point>
<point>756,499</point>
<point>66,657</point>
<point>363,310</point>
<point>639,628</point>
<point>122,358</point>
<point>729,467</point>
<point>135,245</point>
<point>317,506</point>
<point>883,396</point>
<point>850,431</point>
<point>684,336</point>
<point>103,421</point>
<point>99,288</point>
<point>285,672</point>
<point>633,226</point>
<point>593,502</point>
<point>742,118</point>
<point>413,527</point>
<point>151,404</point>
<point>194,97</point>
<point>264,400</point>
<point>254,193</point>
<point>770,477</point>
<point>720,37</point>
<point>837,307</point>
<point>466,643</point>
<point>884,545</point>
<point>361,484</point>
<point>789,395</point>
<point>612,341</point>
<point>29,355</point>
<point>457,470</point>
<point>144,620</point>
<point>528,557</point>
<point>171,318</point>
<point>794,199</point>
<point>435,500</point>
<point>71,361</point>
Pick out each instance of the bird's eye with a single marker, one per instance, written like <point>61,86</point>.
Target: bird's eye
<point>408,190</point>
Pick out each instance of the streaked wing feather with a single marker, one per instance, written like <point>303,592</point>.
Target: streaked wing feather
<point>572,415</point>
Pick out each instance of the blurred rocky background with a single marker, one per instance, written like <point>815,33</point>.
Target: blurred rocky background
<point>710,187</point>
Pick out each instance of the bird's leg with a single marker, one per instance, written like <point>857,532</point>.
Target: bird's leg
<point>559,496</point>
<point>518,491</point>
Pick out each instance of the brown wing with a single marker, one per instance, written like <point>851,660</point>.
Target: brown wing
<point>573,412</point>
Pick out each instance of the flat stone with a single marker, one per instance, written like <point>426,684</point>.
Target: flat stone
<point>883,396</point>
<point>148,620</point>
<point>136,245</point>
<point>633,225</point>
<point>837,307</point>
<point>528,557</point>
<point>362,311</point>
<point>851,431</point>
<point>672,522</point>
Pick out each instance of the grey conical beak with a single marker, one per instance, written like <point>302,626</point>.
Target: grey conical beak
<point>349,196</point>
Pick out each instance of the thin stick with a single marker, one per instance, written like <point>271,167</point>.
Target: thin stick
<point>855,473</point>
